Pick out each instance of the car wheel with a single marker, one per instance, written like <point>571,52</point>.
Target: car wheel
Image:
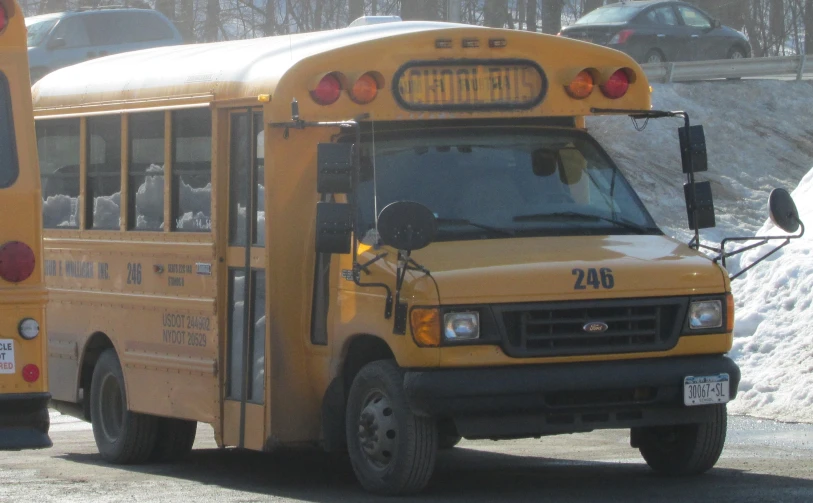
<point>686,449</point>
<point>391,449</point>
<point>736,53</point>
<point>654,56</point>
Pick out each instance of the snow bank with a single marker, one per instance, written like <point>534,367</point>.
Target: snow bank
<point>773,336</point>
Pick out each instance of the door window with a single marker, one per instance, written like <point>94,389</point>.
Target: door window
<point>73,31</point>
<point>694,18</point>
<point>110,28</point>
<point>662,15</point>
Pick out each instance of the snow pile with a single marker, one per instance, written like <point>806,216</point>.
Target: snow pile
<point>773,336</point>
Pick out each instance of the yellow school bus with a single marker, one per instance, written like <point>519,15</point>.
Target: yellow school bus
<point>24,420</point>
<point>380,239</point>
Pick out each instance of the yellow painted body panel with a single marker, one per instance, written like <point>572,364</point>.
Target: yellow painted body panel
<point>170,379</point>
<point>21,220</point>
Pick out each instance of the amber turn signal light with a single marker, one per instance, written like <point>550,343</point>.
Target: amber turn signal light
<point>365,89</point>
<point>581,86</point>
<point>729,318</point>
<point>425,326</point>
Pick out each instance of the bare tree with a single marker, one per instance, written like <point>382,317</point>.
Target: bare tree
<point>552,15</point>
<point>808,21</point>
<point>530,15</point>
<point>356,8</point>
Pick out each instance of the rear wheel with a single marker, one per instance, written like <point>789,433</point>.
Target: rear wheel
<point>174,439</point>
<point>654,56</point>
<point>391,449</point>
<point>736,53</point>
<point>688,449</point>
<point>123,437</point>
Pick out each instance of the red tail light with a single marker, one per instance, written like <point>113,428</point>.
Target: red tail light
<point>3,17</point>
<point>31,373</point>
<point>621,37</point>
<point>617,85</point>
<point>328,90</point>
<point>16,261</point>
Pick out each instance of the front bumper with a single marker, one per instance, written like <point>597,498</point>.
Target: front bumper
<point>523,401</point>
<point>24,421</point>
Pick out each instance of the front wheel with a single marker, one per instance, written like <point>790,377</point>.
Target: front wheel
<point>391,449</point>
<point>736,53</point>
<point>654,56</point>
<point>688,449</point>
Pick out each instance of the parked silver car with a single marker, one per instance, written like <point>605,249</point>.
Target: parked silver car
<point>67,38</point>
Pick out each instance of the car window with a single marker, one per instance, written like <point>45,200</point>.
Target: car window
<point>694,18</point>
<point>38,31</point>
<point>108,28</point>
<point>149,27</point>
<point>611,14</point>
<point>662,15</point>
<point>73,31</point>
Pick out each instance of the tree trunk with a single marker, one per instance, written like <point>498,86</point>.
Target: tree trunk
<point>495,13</point>
<point>270,23</point>
<point>777,26</point>
<point>356,9</point>
<point>591,5</point>
<point>808,20</point>
<point>166,7</point>
<point>186,21</point>
<point>530,15</point>
<point>427,10</point>
<point>212,22</point>
<point>552,16</point>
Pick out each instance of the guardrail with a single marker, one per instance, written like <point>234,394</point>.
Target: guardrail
<point>725,69</point>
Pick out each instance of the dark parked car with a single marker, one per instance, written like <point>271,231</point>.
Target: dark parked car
<point>655,31</point>
<point>67,38</point>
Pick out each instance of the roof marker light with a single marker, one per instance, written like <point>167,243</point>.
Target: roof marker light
<point>617,85</point>
<point>443,43</point>
<point>470,43</point>
<point>497,42</point>
<point>328,90</point>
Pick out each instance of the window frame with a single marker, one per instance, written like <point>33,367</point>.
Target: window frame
<point>7,117</point>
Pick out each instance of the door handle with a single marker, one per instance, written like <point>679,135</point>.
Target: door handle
<point>695,36</point>
<point>661,35</point>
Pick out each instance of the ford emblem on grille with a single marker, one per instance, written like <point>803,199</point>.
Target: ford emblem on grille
<point>595,327</point>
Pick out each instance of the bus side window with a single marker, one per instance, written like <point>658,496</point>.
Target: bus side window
<point>192,170</point>
<point>146,172</point>
<point>104,173</point>
<point>58,150</point>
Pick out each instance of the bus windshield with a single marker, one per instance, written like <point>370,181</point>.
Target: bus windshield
<point>487,183</point>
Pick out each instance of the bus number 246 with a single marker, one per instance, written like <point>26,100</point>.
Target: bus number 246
<point>133,274</point>
<point>597,278</point>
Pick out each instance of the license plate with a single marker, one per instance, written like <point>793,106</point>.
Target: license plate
<point>7,356</point>
<point>705,390</point>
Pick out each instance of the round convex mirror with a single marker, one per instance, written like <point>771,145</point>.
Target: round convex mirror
<point>406,225</point>
<point>783,210</point>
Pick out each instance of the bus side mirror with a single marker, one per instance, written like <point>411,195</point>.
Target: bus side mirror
<point>783,210</point>
<point>694,150</point>
<point>703,208</point>
<point>334,168</point>
<point>334,227</point>
<point>407,226</point>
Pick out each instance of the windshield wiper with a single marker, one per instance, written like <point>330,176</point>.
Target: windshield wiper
<point>463,221</point>
<point>584,216</point>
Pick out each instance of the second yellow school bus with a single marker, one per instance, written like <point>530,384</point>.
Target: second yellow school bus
<point>378,239</point>
<point>24,420</point>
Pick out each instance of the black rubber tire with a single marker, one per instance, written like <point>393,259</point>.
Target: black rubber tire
<point>736,50</point>
<point>446,442</point>
<point>174,439</point>
<point>413,460</point>
<point>689,449</point>
<point>135,439</point>
<point>654,52</point>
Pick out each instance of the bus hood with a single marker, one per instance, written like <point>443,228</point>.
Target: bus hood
<point>564,268</point>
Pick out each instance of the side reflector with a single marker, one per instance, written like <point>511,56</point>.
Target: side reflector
<point>16,261</point>
<point>617,85</point>
<point>582,85</point>
<point>328,90</point>
<point>425,326</point>
<point>365,89</point>
<point>31,373</point>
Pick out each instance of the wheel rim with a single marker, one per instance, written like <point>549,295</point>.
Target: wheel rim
<point>377,432</point>
<point>736,55</point>
<point>654,58</point>
<point>112,408</point>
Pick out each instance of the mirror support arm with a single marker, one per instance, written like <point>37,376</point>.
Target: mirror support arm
<point>762,240</point>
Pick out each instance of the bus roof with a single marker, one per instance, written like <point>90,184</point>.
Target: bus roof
<point>244,69</point>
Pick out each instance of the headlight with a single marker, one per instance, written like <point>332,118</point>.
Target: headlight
<point>28,328</point>
<point>461,326</point>
<point>705,314</point>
